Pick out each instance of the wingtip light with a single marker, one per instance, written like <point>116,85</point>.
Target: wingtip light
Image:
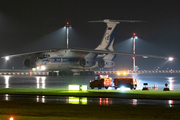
<point>7,58</point>
<point>170,58</point>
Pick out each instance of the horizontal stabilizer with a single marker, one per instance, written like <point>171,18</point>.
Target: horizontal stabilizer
<point>108,20</point>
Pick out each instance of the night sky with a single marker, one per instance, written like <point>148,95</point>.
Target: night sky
<point>31,25</point>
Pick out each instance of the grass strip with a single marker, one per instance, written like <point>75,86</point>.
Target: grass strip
<point>131,94</point>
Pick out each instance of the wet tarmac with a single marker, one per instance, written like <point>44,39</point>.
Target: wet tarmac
<point>173,81</point>
<point>88,100</point>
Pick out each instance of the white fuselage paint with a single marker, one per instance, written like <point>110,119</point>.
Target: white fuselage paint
<point>61,60</point>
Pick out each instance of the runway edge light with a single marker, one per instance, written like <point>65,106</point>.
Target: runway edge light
<point>11,118</point>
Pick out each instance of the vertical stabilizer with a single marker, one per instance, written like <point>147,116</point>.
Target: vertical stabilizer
<point>109,36</point>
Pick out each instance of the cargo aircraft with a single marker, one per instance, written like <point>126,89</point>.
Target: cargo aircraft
<point>66,59</point>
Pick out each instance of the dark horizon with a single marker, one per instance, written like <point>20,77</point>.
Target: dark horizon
<point>27,26</point>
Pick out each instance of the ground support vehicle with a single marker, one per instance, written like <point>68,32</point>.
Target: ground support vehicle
<point>101,81</point>
<point>125,82</point>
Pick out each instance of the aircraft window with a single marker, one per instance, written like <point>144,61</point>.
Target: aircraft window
<point>59,60</point>
<point>103,76</point>
<point>47,55</point>
<point>65,59</point>
<point>43,56</point>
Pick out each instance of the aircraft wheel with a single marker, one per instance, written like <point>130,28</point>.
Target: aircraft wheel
<point>132,87</point>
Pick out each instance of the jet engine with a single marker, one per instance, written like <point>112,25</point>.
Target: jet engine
<point>29,63</point>
<point>86,62</point>
<point>105,63</point>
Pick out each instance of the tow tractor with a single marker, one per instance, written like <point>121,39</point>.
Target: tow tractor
<point>105,81</point>
<point>101,81</point>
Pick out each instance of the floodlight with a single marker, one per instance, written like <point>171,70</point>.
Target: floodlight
<point>38,68</point>
<point>7,58</point>
<point>43,67</point>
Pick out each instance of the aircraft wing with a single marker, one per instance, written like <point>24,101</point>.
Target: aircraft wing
<point>28,54</point>
<point>117,53</point>
<point>85,51</point>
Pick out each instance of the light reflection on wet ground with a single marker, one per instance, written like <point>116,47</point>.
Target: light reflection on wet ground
<point>173,81</point>
<point>89,101</point>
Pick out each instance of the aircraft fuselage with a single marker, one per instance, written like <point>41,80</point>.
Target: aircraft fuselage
<point>61,60</point>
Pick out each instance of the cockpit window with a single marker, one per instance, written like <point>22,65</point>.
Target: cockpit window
<point>42,56</point>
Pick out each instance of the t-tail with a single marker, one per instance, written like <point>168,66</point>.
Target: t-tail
<point>109,35</point>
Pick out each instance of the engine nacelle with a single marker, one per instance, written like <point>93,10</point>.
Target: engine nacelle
<point>29,63</point>
<point>86,62</point>
<point>105,63</point>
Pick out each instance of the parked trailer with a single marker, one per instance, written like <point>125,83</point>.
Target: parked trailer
<point>125,82</point>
